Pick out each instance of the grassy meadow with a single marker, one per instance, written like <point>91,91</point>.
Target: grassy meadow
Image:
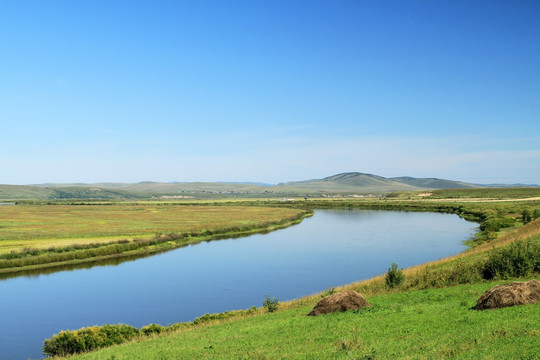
<point>56,225</point>
<point>477,194</point>
<point>48,235</point>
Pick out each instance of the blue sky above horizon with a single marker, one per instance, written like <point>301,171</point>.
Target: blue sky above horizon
<point>269,91</point>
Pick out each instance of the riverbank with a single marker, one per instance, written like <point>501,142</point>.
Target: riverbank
<point>434,323</point>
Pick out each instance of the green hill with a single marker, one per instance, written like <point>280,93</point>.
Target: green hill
<point>27,192</point>
<point>347,182</point>
<point>355,181</point>
<point>23,192</point>
<point>341,184</point>
<point>433,183</point>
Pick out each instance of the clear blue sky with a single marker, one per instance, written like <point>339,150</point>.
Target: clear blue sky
<point>268,91</point>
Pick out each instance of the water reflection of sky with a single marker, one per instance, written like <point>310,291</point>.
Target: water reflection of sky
<point>330,249</point>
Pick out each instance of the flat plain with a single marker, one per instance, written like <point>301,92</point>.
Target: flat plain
<point>45,226</point>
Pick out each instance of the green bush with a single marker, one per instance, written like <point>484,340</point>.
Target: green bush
<point>152,329</point>
<point>61,344</point>
<point>209,317</point>
<point>117,334</point>
<point>270,304</point>
<point>87,339</point>
<point>394,276</point>
<point>526,216</point>
<point>520,258</point>
<point>495,223</point>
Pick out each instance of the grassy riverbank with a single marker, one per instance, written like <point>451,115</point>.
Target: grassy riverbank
<point>422,324</point>
<point>43,236</point>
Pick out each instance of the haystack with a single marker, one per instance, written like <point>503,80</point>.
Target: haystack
<point>342,301</point>
<point>517,293</point>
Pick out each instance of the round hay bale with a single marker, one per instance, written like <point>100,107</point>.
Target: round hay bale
<point>342,301</point>
<point>517,293</point>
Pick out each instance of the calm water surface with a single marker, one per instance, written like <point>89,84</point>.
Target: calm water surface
<point>332,248</point>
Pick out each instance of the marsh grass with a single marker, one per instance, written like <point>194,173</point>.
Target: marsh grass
<point>56,223</point>
<point>199,223</point>
<point>476,193</point>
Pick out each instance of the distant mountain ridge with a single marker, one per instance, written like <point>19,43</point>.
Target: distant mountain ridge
<point>344,183</point>
<point>434,183</point>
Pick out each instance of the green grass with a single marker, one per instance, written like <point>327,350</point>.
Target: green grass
<point>423,324</point>
<point>485,193</point>
<point>40,236</point>
<point>27,192</point>
<point>43,226</point>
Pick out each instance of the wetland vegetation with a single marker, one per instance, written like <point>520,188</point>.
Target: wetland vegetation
<point>40,236</point>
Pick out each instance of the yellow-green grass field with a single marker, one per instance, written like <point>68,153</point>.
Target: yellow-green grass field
<point>45,226</point>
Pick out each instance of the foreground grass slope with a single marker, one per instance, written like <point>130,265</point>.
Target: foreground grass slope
<point>422,324</point>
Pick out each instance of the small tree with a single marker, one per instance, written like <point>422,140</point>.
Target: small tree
<point>526,216</point>
<point>394,276</point>
<point>270,304</point>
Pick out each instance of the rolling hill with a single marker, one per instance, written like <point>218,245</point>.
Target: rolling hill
<point>434,183</point>
<point>28,192</point>
<point>345,184</point>
<point>348,182</point>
